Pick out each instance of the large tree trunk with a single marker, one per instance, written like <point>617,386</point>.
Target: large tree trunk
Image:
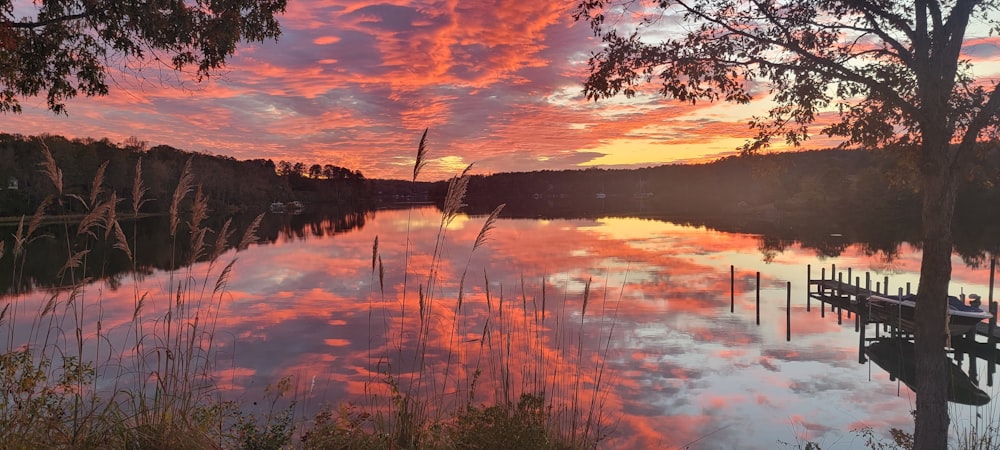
<point>939,190</point>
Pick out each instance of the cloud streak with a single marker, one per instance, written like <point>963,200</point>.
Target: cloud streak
<point>354,84</point>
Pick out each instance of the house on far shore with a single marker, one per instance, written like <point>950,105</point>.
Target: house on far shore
<point>12,183</point>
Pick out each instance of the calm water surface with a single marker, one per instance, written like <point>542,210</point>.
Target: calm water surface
<point>680,368</point>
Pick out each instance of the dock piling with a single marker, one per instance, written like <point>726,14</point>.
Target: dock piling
<point>993,306</point>
<point>758,298</point>
<point>840,287</point>
<point>808,279</point>
<point>788,313</point>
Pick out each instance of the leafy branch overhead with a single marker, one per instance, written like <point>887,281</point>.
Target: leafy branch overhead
<point>70,47</point>
<point>868,61</point>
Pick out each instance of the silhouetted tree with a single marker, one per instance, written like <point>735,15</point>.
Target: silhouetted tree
<point>60,48</point>
<point>284,168</point>
<point>893,71</point>
<point>315,171</point>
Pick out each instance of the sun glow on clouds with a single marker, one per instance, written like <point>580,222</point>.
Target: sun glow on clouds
<point>354,84</point>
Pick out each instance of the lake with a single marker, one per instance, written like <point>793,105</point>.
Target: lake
<point>628,317</point>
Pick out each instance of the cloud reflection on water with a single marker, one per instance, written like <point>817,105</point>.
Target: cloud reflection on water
<point>684,367</point>
<point>681,367</point>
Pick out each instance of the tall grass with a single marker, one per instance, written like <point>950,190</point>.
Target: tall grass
<point>467,363</point>
<point>475,364</point>
<point>70,381</point>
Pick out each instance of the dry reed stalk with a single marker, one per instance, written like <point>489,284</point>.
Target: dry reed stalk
<point>453,202</point>
<point>74,261</point>
<point>487,226</point>
<point>421,155</point>
<point>199,209</point>
<point>21,237</point>
<point>250,235</point>
<point>481,239</point>
<point>579,359</point>
<point>94,218</point>
<point>138,189</point>
<point>184,186</point>
<point>457,187</point>
<point>50,169</point>
<point>121,242</point>
<point>112,217</point>
<point>221,238</point>
<point>95,187</point>
<point>419,163</point>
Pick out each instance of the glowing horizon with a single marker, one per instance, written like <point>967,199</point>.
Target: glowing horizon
<point>355,84</point>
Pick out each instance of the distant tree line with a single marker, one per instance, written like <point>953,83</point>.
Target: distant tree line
<point>829,191</point>
<point>316,171</point>
<point>230,184</point>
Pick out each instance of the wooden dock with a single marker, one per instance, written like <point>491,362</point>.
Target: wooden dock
<point>891,321</point>
<point>843,296</point>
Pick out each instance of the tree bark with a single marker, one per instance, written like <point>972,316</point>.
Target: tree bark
<point>939,192</point>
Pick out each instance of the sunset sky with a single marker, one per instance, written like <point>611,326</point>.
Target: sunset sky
<point>354,84</point>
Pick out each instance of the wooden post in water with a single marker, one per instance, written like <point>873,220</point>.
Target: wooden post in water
<point>861,338</point>
<point>732,288</point>
<point>993,310</point>
<point>822,292</point>
<point>758,298</point>
<point>907,288</point>
<point>992,340</point>
<point>808,280</point>
<point>897,328</point>
<point>857,321</point>
<point>992,328</point>
<point>788,314</point>
<point>857,282</point>
<point>840,286</point>
<point>885,285</point>
<point>833,277</point>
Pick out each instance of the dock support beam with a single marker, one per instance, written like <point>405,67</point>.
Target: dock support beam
<point>808,280</point>
<point>758,298</point>
<point>788,313</point>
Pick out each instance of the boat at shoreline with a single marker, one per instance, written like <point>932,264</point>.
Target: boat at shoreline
<point>900,310</point>
<point>293,207</point>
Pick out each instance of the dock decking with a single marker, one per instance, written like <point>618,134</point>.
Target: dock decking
<point>845,296</point>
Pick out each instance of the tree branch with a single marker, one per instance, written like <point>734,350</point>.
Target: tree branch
<point>834,69</point>
<point>46,22</point>
<point>988,112</point>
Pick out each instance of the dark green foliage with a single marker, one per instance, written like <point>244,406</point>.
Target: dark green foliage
<point>347,428</point>
<point>501,426</point>
<point>63,47</point>
<point>42,411</point>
